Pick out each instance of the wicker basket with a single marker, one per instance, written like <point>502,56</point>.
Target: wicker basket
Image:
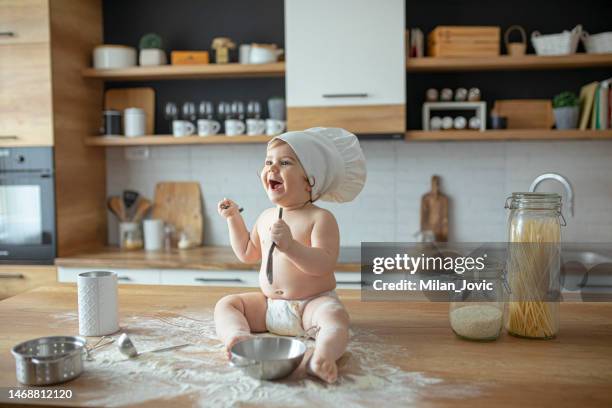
<point>556,44</point>
<point>597,43</point>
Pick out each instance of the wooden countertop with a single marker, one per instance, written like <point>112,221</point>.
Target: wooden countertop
<point>573,370</point>
<point>204,258</point>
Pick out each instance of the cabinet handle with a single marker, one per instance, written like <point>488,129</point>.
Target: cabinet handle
<point>9,137</point>
<point>124,278</point>
<point>208,280</point>
<point>12,276</point>
<point>7,34</point>
<point>346,95</point>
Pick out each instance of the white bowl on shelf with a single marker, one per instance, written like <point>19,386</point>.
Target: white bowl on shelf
<point>114,56</point>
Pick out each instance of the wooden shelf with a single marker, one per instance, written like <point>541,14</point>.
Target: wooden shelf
<point>210,71</point>
<point>506,134</point>
<point>505,62</point>
<point>159,140</point>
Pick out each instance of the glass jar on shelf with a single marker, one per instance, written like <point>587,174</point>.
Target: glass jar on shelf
<point>534,264</point>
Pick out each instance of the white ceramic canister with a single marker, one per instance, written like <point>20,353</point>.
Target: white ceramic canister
<point>114,56</point>
<point>134,122</point>
<point>98,303</point>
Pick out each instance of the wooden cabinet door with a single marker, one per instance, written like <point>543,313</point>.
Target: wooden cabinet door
<point>25,97</point>
<point>24,21</point>
<point>17,279</point>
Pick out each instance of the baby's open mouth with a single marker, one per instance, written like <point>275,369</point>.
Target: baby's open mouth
<point>275,185</point>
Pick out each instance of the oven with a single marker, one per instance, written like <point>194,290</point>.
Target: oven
<point>27,206</point>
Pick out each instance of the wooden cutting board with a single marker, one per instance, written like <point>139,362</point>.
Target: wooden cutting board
<point>434,211</point>
<point>143,98</point>
<point>526,113</point>
<point>180,204</point>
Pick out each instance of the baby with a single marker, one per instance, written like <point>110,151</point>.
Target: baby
<point>297,281</point>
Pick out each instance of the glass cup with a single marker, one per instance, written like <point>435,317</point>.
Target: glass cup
<point>253,110</point>
<point>206,110</point>
<point>237,110</point>
<point>170,113</point>
<point>189,111</point>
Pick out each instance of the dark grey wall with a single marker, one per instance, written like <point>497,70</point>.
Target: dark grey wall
<point>191,24</point>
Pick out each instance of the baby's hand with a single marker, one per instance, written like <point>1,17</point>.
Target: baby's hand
<point>227,208</point>
<point>281,235</point>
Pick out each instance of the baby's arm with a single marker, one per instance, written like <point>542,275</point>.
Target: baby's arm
<point>320,258</point>
<point>245,245</point>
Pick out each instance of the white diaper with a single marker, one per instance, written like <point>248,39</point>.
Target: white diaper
<point>284,317</point>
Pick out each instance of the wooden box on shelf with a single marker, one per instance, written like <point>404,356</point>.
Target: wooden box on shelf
<point>464,41</point>
<point>526,113</point>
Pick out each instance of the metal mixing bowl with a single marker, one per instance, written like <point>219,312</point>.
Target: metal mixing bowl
<point>49,360</point>
<point>268,358</point>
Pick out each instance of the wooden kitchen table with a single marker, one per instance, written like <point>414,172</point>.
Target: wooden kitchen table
<point>573,370</point>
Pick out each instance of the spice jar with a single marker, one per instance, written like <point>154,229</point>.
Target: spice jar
<point>478,314</point>
<point>130,235</point>
<point>534,264</point>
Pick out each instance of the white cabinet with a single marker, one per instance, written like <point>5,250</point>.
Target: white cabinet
<point>127,276</point>
<point>347,56</point>
<point>210,278</point>
<point>190,277</point>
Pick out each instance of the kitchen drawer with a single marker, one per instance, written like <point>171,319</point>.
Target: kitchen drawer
<point>127,276</point>
<point>17,279</point>
<point>348,280</point>
<point>24,21</point>
<point>25,99</point>
<point>210,278</point>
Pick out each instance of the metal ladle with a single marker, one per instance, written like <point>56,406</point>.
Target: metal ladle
<point>127,348</point>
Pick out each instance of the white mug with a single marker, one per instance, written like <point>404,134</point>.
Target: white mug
<point>182,128</point>
<point>153,234</point>
<point>207,127</point>
<point>234,127</point>
<point>98,304</point>
<point>274,127</point>
<point>263,55</point>
<point>134,122</point>
<point>255,127</point>
<point>244,52</point>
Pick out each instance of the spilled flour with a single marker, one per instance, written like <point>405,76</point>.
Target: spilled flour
<point>202,373</point>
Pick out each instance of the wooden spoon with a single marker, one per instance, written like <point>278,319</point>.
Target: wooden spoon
<point>142,208</point>
<point>116,206</point>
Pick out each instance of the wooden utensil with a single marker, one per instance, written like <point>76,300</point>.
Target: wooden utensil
<point>144,98</point>
<point>142,207</point>
<point>434,211</point>
<point>526,113</point>
<point>116,206</point>
<point>180,204</point>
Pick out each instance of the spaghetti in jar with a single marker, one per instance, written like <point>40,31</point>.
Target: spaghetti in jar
<point>534,264</point>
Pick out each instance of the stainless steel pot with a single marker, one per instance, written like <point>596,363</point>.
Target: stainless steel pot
<point>49,360</point>
<point>268,358</point>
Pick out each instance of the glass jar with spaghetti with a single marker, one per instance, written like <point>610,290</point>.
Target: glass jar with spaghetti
<point>534,264</point>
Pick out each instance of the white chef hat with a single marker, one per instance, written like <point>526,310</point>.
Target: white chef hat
<point>333,162</point>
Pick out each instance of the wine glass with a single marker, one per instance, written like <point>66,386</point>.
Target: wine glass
<point>171,113</point>
<point>237,110</point>
<point>223,111</point>
<point>206,110</point>
<point>254,110</point>
<point>189,111</point>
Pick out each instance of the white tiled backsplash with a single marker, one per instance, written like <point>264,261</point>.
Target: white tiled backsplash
<point>477,177</point>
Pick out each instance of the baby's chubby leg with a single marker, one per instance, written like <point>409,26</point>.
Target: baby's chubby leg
<point>329,315</point>
<point>237,316</point>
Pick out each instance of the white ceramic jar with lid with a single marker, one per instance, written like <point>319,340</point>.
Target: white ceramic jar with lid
<point>114,56</point>
<point>134,122</point>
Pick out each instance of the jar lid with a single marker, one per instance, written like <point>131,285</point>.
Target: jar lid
<point>134,111</point>
<point>534,201</point>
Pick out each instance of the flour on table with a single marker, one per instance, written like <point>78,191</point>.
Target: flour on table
<point>201,371</point>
